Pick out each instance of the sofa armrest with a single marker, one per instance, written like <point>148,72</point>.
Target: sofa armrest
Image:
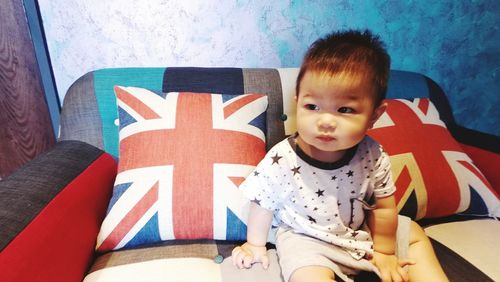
<point>51,211</point>
<point>471,137</point>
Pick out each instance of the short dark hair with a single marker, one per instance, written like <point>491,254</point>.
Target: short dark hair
<point>349,51</point>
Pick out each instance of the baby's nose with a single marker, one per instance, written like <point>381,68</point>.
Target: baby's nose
<point>327,120</point>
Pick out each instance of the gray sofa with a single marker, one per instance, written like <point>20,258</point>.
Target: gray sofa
<point>51,210</point>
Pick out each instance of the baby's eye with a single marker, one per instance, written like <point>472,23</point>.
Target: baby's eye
<point>345,110</point>
<point>312,107</point>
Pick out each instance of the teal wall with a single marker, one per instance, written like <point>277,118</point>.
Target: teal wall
<point>455,43</point>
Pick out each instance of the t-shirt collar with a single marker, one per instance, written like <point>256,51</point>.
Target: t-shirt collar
<point>320,164</point>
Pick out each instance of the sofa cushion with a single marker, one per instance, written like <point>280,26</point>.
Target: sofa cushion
<point>434,177</point>
<point>474,240</point>
<point>208,261</point>
<point>182,156</point>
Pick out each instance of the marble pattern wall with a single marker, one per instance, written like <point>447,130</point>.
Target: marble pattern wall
<point>453,42</point>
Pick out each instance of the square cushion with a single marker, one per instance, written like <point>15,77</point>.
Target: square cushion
<point>433,176</point>
<point>182,157</point>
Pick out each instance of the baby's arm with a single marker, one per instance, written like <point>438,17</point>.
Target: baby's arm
<point>254,250</point>
<point>383,224</point>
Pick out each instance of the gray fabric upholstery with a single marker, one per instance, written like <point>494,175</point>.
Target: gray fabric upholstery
<point>206,249</point>
<point>80,118</point>
<point>267,81</point>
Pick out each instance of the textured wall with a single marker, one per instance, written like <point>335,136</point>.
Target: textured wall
<point>453,42</point>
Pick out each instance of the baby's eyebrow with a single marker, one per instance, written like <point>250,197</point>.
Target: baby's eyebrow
<point>308,94</point>
<point>351,97</point>
<point>310,97</point>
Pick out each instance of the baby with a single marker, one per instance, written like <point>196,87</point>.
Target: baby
<point>329,186</point>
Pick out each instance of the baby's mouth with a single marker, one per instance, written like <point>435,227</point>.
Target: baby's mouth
<point>326,138</point>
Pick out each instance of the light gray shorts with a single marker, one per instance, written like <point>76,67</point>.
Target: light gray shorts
<point>298,250</point>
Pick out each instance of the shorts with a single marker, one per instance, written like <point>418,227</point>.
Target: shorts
<point>297,250</point>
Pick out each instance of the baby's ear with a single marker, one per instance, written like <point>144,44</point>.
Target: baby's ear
<point>378,112</point>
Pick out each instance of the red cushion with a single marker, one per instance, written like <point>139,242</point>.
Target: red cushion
<point>433,175</point>
<point>182,156</point>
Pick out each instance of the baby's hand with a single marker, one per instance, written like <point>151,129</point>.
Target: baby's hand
<point>248,254</point>
<point>390,267</point>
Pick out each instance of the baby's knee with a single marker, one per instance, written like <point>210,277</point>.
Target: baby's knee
<point>417,233</point>
<point>312,273</point>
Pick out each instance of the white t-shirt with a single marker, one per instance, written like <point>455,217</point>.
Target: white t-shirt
<point>322,200</point>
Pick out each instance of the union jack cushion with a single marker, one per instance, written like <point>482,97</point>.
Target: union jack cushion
<point>182,157</point>
<point>433,176</point>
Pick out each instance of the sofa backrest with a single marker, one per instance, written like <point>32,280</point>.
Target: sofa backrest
<point>89,111</point>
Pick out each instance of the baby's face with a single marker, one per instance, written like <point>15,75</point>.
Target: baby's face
<point>334,113</point>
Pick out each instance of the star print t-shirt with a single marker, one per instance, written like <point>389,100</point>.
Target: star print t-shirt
<point>322,200</point>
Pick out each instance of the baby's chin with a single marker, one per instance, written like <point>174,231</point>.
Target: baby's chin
<point>328,155</point>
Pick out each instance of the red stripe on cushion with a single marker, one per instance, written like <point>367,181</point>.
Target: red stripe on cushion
<point>423,105</point>
<point>488,162</point>
<point>236,105</point>
<point>237,180</point>
<point>58,245</point>
<point>131,219</point>
<point>133,101</point>
<point>402,184</point>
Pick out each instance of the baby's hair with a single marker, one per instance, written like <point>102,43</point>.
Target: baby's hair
<point>352,51</point>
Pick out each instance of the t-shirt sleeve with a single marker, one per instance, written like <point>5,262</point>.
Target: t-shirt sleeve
<point>383,183</point>
<point>263,185</point>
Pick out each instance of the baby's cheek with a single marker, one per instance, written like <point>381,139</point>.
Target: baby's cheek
<point>305,125</point>
<point>356,128</point>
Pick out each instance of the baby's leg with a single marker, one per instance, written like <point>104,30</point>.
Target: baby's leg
<point>427,267</point>
<point>312,273</point>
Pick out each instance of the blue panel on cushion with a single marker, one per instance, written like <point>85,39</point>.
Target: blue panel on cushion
<point>407,85</point>
<point>477,205</point>
<point>410,207</point>
<point>235,227</point>
<point>205,80</point>
<point>125,118</point>
<point>118,190</point>
<point>104,81</point>
<point>260,120</point>
<point>146,234</point>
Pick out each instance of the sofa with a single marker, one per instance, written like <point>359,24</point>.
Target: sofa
<point>71,214</point>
